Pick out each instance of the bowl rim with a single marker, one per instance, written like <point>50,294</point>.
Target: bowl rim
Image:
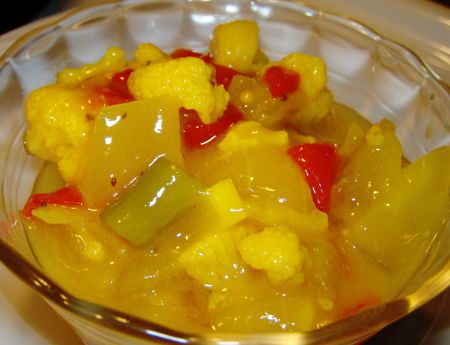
<point>372,318</point>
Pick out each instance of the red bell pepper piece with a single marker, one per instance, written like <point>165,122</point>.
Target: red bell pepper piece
<point>197,134</point>
<point>181,53</point>
<point>116,91</point>
<point>319,164</point>
<point>68,196</point>
<point>223,74</point>
<point>280,81</point>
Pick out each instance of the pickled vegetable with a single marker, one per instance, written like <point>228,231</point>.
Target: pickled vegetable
<point>235,44</point>
<point>160,194</point>
<point>220,191</point>
<point>155,127</point>
<point>68,196</point>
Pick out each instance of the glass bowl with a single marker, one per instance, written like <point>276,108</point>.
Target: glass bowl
<point>375,76</point>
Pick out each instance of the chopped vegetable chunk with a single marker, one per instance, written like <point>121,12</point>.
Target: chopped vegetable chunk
<point>311,69</point>
<point>58,129</point>
<point>215,259</point>
<point>281,82</point>
<point>116,91</point>
<point>274,250</point>
<point>235,44</point>
<point>250,134</point>
<point>155,127</point>
<point>197,134</point>
<point>388,232</point>
<point>319,163</point>
<point>187,79</point>
<point>68,196</point>
<point>223,75</point>
<point>147,53</point>
<point>226,204</point>
<point>160,194</point>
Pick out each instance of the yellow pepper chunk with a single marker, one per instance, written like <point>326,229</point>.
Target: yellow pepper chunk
<point>227,205</point>
<point>58,128</point>
<point>276,251</point>
<point>353,139</point>
<point>79,219</point>
<point>188,79</point>
<point>399,223</point>
<point>312,71</point>
<point>259,61</point>
<point>113,61</point>
<point>250,134</point>
<point>60,215</point>
<point>235,44</point>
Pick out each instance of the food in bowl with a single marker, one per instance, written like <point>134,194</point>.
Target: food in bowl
<point>224,192</point>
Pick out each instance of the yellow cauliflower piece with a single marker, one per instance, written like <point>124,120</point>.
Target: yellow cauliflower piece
<point>113,61</point>
<point>188,78</point>
<point>312,71</point>
<point>249,134</point>
<point>276,251</point>
<point>58,128</point>
<point>147,52</point>
<point>235,44</point>
<point>215,259</point>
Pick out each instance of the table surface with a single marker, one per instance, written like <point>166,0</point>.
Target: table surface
<point>423,26</point>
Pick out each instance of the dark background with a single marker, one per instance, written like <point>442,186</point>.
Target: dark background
<point>28,11</point>
<point>25,12</point>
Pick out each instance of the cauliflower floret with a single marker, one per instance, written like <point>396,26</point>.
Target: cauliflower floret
<point>114,60</point>
<point>312,71</point>
<point>249,134</point>
<point>188,78</point>
<point>235,44</point>
<point>58,128</point>
<point>215,259</point>
<point>147,52</point>
<point>276,251</point>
